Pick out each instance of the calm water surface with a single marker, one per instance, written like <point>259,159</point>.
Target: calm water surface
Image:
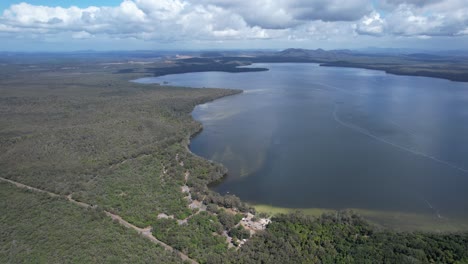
<point>304,136</point>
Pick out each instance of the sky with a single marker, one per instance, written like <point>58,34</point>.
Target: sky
<point>60,25</point>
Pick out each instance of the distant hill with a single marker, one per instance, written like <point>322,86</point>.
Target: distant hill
<point>317,54</point>
<point>305,53</point>
<point>211,54</point>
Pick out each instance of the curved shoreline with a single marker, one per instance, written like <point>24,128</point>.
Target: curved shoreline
<point>244,66</point>
<point>189,138</point>
<point>400,220</point>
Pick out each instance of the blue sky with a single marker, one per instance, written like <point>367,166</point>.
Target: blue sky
<point>221,24</point>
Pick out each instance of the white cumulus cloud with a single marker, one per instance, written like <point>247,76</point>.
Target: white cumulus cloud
<point>218,20</point>
<point>372,24</point>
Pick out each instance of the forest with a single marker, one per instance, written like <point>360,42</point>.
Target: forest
<point>344,237</point>
<point>82,131</point>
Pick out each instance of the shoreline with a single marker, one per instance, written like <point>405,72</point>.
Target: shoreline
<point>396,221</point>
<point>426,74</point>
<point>200,129</point>
<point>187,141</point>
<point>393,220</point>
<point>243,68</point>
<point>399,221</point>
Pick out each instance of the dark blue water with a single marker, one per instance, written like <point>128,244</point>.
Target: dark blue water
<point>304,136</point>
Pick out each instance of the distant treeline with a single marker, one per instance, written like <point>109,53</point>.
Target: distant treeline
<point>89,133</point>
<point>427,65</point>
<point>198,65</point>
<point>401,70</point>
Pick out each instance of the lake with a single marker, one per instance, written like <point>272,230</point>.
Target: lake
<point>305,136</point>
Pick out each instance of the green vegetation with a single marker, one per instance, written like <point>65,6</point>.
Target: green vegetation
<point>103,140</point>
<point>59,136</point>
<point>343,237</point>
<point>79,129</point>
<point>138,190</point>
<point>36,228</point>
<point>200,237</point>
<point>228,220</point>
<point>239,233</point>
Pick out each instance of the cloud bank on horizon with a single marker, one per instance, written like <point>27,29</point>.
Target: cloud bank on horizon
<point>215,21</point>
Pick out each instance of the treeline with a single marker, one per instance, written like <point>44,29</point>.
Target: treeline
<point>59,133</point>
<point>228,201</point>
<point>122,146</point>
<point>451,72</point>
<point>201,65</point>
<point>346,238</point>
